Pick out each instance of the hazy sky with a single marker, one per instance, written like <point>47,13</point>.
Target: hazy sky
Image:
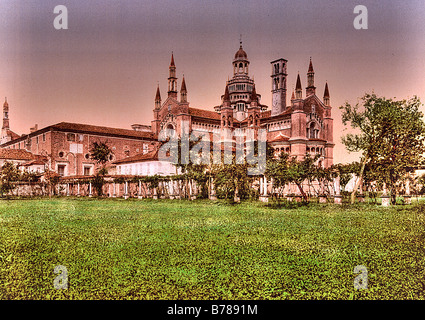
<point>105,68</point>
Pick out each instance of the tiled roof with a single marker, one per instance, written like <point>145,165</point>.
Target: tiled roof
<point>12,134</point>
<point>204,113</point>
<point>150,156</point>
<point>279,138</point>
<point>266,114</point>
<point>33,162</point>
<point>15,154</point>
<point>78,127</point>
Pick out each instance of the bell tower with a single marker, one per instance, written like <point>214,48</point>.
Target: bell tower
<point>5,137</point>
<point>278,76</point>
<point>5,115</point>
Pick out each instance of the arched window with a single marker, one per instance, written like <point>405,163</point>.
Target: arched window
<point>170,130</point>
<point>312,132</point>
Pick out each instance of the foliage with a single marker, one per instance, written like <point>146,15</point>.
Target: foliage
<point>100,152</point>
<point>9,174</point>
<point>30,176</point>
<point>391,137</point>
<point>52,179</point>
<point>97,182</point>
<point>286,169</point>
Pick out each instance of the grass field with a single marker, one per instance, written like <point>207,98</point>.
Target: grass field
<point>172,249</point>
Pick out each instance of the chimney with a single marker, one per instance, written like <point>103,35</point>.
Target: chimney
<point>33,129</point>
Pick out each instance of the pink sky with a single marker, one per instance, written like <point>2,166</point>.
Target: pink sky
<point>105,68</point>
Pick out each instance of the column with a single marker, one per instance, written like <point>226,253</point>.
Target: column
<point>213,196</point>
<point>385,197</point>
<point>337,197</point>
<point>171,189</point>
<point>407,196</point>
<point>126,190</point>
<point>140,190</point>
<point>264,197</point>
<point>236,197</point>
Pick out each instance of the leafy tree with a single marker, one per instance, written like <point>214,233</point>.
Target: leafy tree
<point>100,152</point>
<point>286,169</point>
<point>9,174</point>
<point>52,179</point>
<point>391,137</point>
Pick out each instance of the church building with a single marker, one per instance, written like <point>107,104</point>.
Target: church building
<point>303,125</point>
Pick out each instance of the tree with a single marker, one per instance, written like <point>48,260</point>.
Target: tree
<point>9,174</point>
<point>391,137</point>
<point>100,152</point>
<point>52,179</point>
<point>286,169</point>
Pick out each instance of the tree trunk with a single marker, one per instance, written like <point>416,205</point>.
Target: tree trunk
<point>353,194</point>
<point>302,191</point>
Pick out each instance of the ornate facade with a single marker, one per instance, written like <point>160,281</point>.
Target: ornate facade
<point>302,126</point>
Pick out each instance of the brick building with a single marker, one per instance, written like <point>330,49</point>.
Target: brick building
<point>302,126</point>
<point>66,145</point>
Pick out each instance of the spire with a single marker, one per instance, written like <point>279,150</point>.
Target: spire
<point>254,94</point>
<point>158,94</point>
<point>311,89</point>
<point>310,67</point>
<point>226,95</point>
<point>183,88</point>
<point>298,88</point>
<point>183,91</point>
<point>326,96</point>
<point>157,99</point>
<point>172,60</point>
<point>172,79</point>
<point>293,95</point>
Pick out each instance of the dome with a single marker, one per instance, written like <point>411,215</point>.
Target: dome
<point>241,54</point>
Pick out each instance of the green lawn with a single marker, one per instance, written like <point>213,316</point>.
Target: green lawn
<point>172,249</point>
